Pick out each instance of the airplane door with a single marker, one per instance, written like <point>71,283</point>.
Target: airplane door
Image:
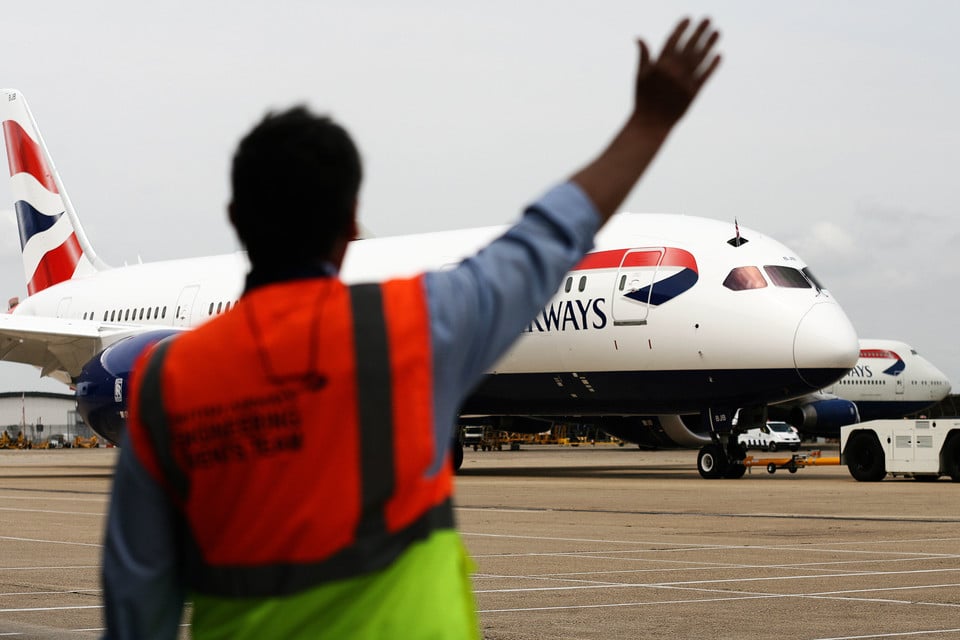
<point>185,306</point>
<point>899,388</point>
<point>634,285</point>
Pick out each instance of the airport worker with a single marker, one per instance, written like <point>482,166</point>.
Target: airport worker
<point>286,465</point>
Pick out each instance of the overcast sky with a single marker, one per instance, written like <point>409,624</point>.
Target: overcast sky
<point>831,126</point>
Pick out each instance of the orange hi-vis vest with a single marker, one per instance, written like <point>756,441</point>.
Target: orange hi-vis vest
<point>295,435</point>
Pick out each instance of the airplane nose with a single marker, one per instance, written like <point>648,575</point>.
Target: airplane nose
<point>825,346</point>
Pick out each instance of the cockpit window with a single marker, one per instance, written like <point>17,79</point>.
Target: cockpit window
<point>787,277</point>
<point>743,278</point>
<point>806,271</point>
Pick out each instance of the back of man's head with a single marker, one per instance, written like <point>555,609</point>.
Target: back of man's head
<point>295,180</point>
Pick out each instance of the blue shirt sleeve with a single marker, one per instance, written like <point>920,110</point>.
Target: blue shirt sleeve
<point>478,309</point>
<point>142,588</point>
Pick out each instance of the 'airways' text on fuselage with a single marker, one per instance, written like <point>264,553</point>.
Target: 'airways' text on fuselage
<point>570,315</point>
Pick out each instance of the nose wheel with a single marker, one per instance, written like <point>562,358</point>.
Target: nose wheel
<point>714,462</point>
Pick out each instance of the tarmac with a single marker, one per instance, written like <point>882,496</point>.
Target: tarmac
<point>587,542</point>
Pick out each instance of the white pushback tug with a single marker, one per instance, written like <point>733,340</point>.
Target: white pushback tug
<point>923,449</point>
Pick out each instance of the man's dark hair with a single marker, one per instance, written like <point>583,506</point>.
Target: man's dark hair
<point>295,180</point>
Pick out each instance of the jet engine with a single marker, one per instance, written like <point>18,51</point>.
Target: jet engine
<point>102,384</point>
<point>656,432</point>
<point>820,417</point>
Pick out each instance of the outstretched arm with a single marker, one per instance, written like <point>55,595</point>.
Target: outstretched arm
<point>665,87</point>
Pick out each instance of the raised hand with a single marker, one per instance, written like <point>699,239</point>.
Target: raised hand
<point>666,86</point>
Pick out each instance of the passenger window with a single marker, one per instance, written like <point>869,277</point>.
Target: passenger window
<point>148,312</point>
<point>164,315</point>
<point>787,277</point>
<point>623,281</point>
<point>210,311</point>
<point>228,306</point>
<point>741,279</point>
<point>583,283</point>
<point>113,314</point>
<point>219,307</point>
<point>141,313</point>
<point>569,283</point>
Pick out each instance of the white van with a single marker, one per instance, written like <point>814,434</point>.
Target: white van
<point>772,436</point>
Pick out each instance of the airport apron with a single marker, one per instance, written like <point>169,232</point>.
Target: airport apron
<point>295,437</point>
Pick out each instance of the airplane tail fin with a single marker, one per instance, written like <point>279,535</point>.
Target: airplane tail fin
<point>52,241</point>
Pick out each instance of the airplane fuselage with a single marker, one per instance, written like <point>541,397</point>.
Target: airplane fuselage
<point>891,380</point>
<point>644,324</point>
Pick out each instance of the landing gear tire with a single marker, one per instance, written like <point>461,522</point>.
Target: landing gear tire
<point>712,462</point>
<point>735,455</point>
<point>735,470</point>
<point>951,457</point>
<point>864,456</point>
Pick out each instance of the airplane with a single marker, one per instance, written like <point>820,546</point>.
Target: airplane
<point>890,380</point>
<point>882,385</point>
<point>669,314</point>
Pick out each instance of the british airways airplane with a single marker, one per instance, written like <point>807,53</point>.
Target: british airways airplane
<point>882,385</point>
<point>890,380</point>
<point>668,315</point>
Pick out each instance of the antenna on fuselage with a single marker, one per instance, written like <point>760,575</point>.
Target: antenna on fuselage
<point>737,239</point>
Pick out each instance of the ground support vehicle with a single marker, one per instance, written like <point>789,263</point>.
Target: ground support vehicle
<point>922,449</point>
<point>772,436</point>
<point>791,464</point>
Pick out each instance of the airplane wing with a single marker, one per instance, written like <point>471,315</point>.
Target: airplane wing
<point>58,347</point>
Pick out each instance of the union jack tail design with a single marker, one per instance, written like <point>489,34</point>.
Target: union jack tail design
<point>53,243</point>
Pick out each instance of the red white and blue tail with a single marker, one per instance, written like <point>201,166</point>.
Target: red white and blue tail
<point>53,243</point>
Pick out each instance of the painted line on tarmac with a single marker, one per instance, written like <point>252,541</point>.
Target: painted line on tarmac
<point>901,634</point>
<point>607,605</point>
<point>62,513</point>
<point>79,544</point>
<point>65,499</point>
<point>58,567</point>
<point>684,546</point>
<point>184,625</point>
<point>51,593</point>
<point>723,581</point>
<point>694,566</point>
<point>501,509</point>
<point>843,595</point>
<point>869,517</point>
<point>739,596</point>
<point>954,539</point>
<point>29,609</point>
<point>599,554</point>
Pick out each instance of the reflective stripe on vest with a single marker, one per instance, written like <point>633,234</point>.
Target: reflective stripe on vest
<point>396,505</point>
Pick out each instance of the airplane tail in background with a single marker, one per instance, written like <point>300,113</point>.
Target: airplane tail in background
<point>52,241</point>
